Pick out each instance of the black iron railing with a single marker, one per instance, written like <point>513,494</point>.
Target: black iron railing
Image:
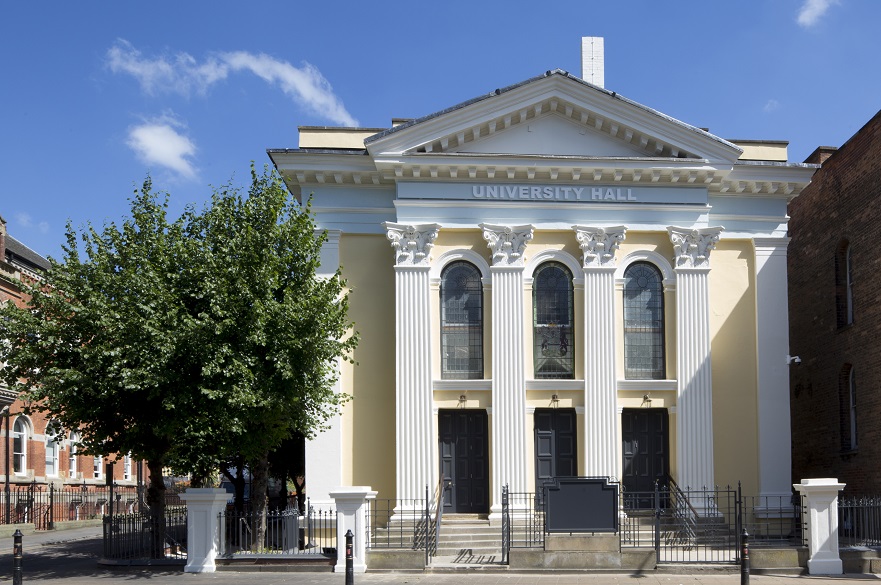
<point>400,524</point>
<point>285,532</point>
<point>859,521</point>
<point>142,536</point>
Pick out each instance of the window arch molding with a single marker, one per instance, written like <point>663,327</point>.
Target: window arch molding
<point>437,267</point>
<point>575,267</point>
<point>660,262</point>
<point>22,434</point>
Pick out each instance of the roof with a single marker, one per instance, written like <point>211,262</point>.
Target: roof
<point>535,79</point>
<point>18,253</point>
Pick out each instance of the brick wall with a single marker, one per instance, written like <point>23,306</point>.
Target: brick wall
<point>842,204</point>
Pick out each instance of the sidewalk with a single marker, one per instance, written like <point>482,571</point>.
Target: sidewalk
<point>70,558</point>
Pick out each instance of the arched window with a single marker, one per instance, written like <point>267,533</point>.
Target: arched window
<point>72,454</point>
<point>643,322</point>
<point>844,285</point>
<point>20,446</point>
<point>461,322</point>
<point>847,392</point>
<point>553,320</point>
<point>53,448</point>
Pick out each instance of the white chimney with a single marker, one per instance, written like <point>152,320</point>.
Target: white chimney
<point>593,55</point>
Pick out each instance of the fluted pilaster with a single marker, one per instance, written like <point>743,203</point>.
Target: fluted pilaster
<point>694,415</point>
<point>508,245</point>
<point>601,445</point>
<point>415,445</point>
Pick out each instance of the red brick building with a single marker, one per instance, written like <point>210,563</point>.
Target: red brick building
<point>835,315</point>
<point>27,452</point>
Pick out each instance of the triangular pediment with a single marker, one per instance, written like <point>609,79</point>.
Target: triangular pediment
<point>552,135</point>
<point>556,114</point>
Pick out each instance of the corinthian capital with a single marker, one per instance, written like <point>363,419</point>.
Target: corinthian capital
<point>412,243</point>
<point>599,244</point>
<point>691,248</point>
<point>508,243</point>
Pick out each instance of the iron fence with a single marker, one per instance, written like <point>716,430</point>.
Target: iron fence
<point>287,532</point>
<point>523,520</point>
<point>859,521</point>
<point>397,523</point>
<point>771,520</point>
<point>137,535</point>
<point>44,505</point>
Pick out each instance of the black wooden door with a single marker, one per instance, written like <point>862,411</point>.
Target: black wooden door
<point>555,444</point>
<point>464,460</point>
<point>645,438</point>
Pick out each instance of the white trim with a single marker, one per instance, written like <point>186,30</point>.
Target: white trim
<point>460,254</point>
<point>647,385</point>
<point>648,256</point>
<point>555,256</point>
<point>551,385</point>
<point>480,385</point>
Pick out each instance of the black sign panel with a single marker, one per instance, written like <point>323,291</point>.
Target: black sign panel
<point>581,504</point>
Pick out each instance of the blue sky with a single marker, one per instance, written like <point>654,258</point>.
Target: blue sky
<point>97,95</point>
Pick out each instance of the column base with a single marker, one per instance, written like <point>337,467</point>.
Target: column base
<point>825,567</point>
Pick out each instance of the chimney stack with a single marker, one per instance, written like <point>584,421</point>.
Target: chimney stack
<point>2,239</point>
<point>593,61</point>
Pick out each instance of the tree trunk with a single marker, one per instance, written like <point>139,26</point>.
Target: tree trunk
<point>259,482</point>
<point>156,509</point>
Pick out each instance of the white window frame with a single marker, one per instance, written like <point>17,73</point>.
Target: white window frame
<point>21,455</point>
<point>72,454</point>
<point>97,467</point>
<point>53,453</point>
<point>127,467</point>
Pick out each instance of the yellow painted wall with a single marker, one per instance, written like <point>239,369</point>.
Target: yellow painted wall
<point>733,334</point>
<point>369,419</point>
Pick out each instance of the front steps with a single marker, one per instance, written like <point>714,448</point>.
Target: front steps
<point>468,540</point>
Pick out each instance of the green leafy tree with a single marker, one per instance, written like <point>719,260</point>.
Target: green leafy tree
<point>186,342</point>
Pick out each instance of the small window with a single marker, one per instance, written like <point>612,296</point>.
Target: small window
<point>127,467</point>
<point>461,293</point>
<point>53,449</point>
<point>72,454</point>
<point>844,285</point>
<point>643,322</point>
<point>553,322</point>
<point>20,446</point>
<point>97,467</point>
<point>848,402</point>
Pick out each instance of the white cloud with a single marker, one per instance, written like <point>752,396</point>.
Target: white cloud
<point>771,106</point>
<point>812,11</point>
<point>24,220</point>
<point>159,142</point>
<point>182,74</point>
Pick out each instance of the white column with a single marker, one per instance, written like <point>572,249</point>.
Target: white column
<point>601,443</point>
<point>204,506</point>
<point>351,507</point>
<point>324,452</point>
<point>694,419</point>
<point>772,331</point>
<point>416,464</point>
<point>508,245</point>
<point>821,504</point>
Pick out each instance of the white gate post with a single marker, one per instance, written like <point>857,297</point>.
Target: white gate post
<point>821,501</point>
<point>204,506</point>
<point>351,508</point>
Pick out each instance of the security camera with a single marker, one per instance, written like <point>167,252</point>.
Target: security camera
<point>793,359</point>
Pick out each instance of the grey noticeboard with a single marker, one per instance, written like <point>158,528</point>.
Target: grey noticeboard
<point>581,504</point>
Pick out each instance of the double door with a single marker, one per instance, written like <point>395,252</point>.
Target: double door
<point>464,460</point>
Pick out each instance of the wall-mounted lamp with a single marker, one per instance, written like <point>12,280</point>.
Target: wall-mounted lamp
<point>463,400</point>
<point>555,401</point>
<point>646,400</point>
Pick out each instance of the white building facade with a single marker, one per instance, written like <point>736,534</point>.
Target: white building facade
<point>553,280</point>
